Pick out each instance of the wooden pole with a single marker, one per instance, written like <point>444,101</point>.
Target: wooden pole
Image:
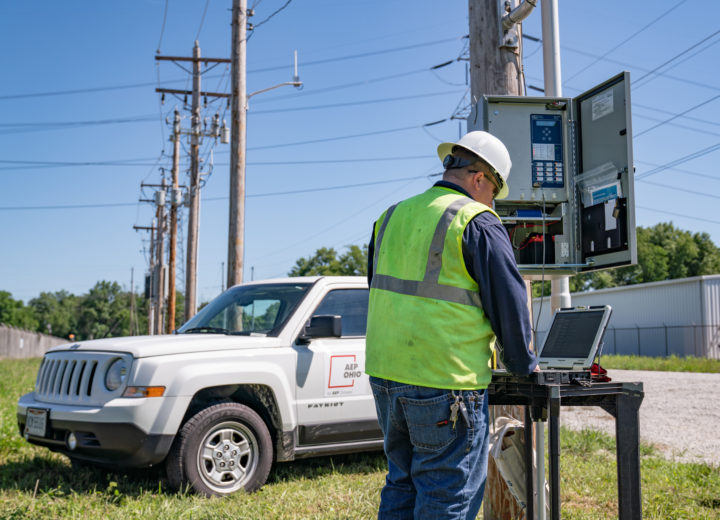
<point>495,69</point>
<point>160,263</point>
<point>236,231</point>
<point>194,213</point>
<point>170,325</point>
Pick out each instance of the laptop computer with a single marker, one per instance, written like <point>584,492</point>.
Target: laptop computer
<point>570,346</point>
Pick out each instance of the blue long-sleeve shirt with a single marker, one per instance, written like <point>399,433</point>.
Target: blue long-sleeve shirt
<point>490,261</point>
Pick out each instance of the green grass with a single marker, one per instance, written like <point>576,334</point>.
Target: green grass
<point>670,364</point>
<point>326,488</point>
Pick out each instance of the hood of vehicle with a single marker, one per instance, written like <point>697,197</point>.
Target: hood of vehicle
<point>163,345</point>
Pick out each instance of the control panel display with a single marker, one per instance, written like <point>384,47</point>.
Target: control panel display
<point>547,150</point>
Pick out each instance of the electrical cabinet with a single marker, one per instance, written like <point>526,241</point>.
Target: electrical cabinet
<point>571,204</point>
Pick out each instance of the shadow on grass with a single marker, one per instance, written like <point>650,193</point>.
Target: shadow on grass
<point>53,473</point>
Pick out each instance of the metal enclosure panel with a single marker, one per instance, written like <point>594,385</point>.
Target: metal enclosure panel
<point>604,129</point>
<point>509,119</point>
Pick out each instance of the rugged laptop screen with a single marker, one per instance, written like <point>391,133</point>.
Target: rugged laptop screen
<point>574,337</point>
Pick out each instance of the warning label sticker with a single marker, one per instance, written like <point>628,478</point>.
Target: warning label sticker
<point>344,373</point>
<point>602,105</point>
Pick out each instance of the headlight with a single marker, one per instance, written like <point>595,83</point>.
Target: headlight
<point>116,375</point>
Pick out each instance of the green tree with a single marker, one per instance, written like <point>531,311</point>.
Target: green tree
<point>664,253</point>
<point>325,262</point>
<point>104,312</point>
<point>15,313</point>
<point>56,312</point>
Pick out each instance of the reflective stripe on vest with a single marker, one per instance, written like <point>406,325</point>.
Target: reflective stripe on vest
<point>428,287</point>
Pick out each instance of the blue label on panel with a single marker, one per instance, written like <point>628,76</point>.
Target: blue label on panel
<point>604,194</point>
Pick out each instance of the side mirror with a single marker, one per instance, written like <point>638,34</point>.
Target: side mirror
<point>325,326</point>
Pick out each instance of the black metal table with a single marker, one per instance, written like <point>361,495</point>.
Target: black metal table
<point>543,402</point>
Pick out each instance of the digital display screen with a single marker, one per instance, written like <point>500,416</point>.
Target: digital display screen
<point>545,123</point>
<point>572,334</point>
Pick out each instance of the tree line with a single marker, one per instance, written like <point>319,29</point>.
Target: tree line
<point>664,253</point>
<point>103,312</point>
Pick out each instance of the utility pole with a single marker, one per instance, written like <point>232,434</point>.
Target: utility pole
<point>194,213</point>
<point>196,134</point>
<point>151,299</point>
<point>174,201</point>
<point>238,130</point>
<point>496,69</point>
<point>160,197</point>
<point>132,301</point>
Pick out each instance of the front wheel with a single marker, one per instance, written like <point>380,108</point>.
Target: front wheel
<point>221,449</point>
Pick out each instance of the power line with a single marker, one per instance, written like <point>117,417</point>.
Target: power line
<point>360,55</point>
<point>273,14</point>
<point>599,58</point>
<point>257,195</point>
<point>677,115</point>
<point>693,192</point>
<point>682,170</point>
<point>202,19</point>
<point>653,71</point>
<point>162,27</point>
<point>355,103</point>
<point>671,164</point>
<point>582,52</point>
<point>665,212</point>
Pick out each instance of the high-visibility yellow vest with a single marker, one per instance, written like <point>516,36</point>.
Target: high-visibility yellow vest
<point>426,325</point>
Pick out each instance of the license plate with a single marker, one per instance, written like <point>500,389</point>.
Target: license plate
<point>36,422</point>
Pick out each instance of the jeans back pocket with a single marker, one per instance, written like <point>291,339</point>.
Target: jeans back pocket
<point>428,421</point>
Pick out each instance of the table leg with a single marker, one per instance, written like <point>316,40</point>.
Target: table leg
<point>627,435</point>
<point>554,451</point>
<point>529,488</point>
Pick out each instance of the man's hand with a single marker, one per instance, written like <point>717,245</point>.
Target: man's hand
<point>537,368</point>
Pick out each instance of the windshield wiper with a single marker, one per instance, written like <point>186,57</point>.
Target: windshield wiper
<point>215,330</point>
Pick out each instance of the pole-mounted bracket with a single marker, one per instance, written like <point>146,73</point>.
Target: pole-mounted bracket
<point>510,14</point>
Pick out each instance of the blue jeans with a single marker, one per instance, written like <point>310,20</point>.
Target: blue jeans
<point>435,469</point>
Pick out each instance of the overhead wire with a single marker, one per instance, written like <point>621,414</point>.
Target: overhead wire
<point>249,196</point>
<point>666,121</point>
<point>666,212</point>
<point>670,164</point>
<point>623,42</point>
<point>653,72</point>
<point>202,19</point>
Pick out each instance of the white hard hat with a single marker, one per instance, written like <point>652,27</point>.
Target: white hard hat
<point>489,148</point>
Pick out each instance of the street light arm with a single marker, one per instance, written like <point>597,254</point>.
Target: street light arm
<point>287,83</point>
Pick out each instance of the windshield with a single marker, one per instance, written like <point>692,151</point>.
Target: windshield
<point>247,309</point>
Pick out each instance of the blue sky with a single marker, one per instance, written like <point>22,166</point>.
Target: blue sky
<point>366,68</point>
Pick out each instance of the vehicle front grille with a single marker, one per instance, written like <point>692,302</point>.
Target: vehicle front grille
<point>75,377</point>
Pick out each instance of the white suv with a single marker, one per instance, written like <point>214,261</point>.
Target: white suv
<point>270,370</point>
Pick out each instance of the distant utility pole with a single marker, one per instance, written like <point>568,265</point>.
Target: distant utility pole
<point>496,69</point>
<point>174,201</point>
<point>160,197</point>
<point>194,213</point>
<point>132,301</point>
<point>149,278</point>
<point>196,134</point>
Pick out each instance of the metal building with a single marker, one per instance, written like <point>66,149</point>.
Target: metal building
<point>680,317</point>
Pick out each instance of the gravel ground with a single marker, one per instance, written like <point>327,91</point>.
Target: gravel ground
<point>680,414</point>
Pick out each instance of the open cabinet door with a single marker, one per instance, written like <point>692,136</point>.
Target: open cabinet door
<point>605,184</point>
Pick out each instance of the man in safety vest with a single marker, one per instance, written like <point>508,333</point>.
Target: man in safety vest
<point>444,292</point>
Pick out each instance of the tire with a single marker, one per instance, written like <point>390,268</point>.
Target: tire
<point>220,450</point>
